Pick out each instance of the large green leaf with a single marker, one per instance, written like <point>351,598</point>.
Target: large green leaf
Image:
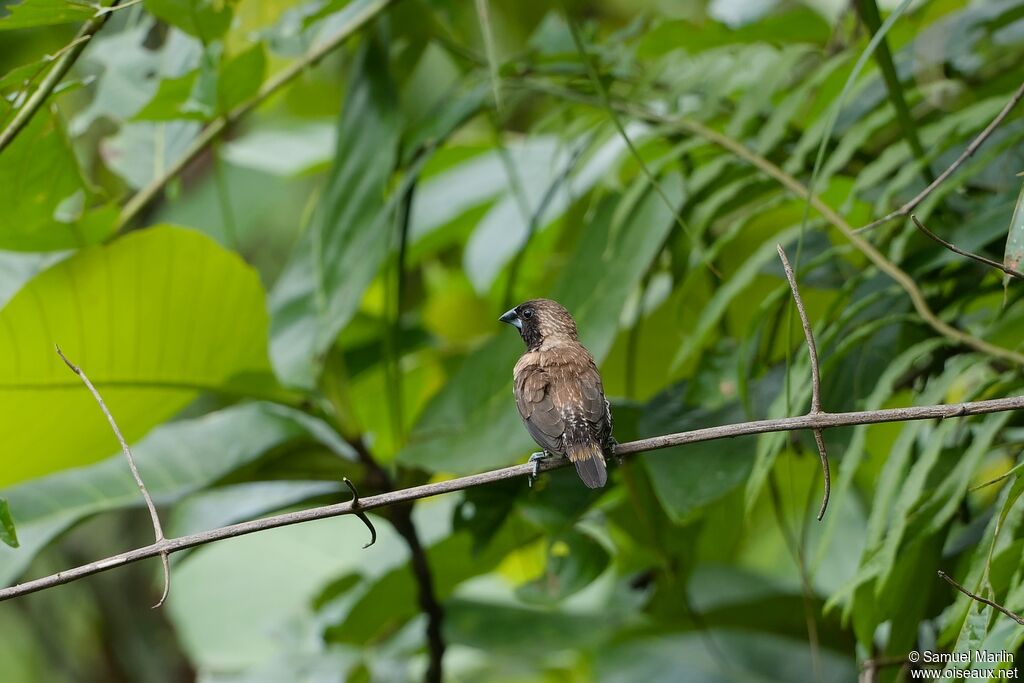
<point>174,460</point>
<point>45,198</point>
<point>472,424</point>
<point>153,319</point>
<point>336,259</point>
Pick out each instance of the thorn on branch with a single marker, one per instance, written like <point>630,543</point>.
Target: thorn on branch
<point>361,515</point>
<point>956,250</point>
<point>985,601</point>
<point>812,352</point>
<point>158,531</point>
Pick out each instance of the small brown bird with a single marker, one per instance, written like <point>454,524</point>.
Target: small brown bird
<point>558,390</point>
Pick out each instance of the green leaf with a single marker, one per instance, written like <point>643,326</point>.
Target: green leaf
<point>204,19</point>
<point>511,629</point>
<point>174,460</point>
<point>7,533</point>
<point>45,198</point>
<point>240,77</point>
<point>574,561</point>
<point>337,258</point>
<point>472,423</point>
<point>153,319</point>
<point>29,13</point>
<point>1014,253</point>
<point>685,478</point>
<point>173,100</point>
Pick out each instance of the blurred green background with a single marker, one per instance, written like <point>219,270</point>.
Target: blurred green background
<point>315,294</point>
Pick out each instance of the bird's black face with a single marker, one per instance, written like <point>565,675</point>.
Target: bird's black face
<point>540,319</point>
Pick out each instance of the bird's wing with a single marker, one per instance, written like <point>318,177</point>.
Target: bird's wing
<point>593,404</point>
<point>537,408</point>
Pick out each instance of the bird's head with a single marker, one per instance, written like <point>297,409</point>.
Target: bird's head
<point>541,320</point>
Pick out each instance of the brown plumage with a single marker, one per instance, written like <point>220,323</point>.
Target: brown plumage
<point>558,389</point>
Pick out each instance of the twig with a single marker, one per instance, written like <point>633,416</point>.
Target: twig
<point>786,424</point>
<point>361,515</point>
<point>812,352</point>
<point>53,78</point>
<point>964,156</point>
<point>985,601</point>
<point>143,197</point>
<point>957,250</point>
<point>158,531</point>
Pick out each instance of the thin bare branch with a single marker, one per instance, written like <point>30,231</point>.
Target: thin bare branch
<point>812,351</point>
<point>141,199</point>
<point>985,601</point>
<point>158,531</point>
<point>957,250</point>
<point>786,424</point>
<point>964,156</point>
<point>64,63</point>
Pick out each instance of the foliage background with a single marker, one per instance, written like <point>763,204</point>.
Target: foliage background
<point>321,283</point>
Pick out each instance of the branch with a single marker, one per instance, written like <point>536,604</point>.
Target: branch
<point>985,601</point>
<point>786,424</point>
<point>812,352</point>
<point>956,250</point>
<point>158,531</point>
<point>60,69</point>
<point>143,197</point>
<point>964,156</point>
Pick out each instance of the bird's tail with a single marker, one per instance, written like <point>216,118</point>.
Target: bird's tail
<point>589,462</point>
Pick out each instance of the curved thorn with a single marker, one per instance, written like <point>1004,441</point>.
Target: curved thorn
<point>352,488</point>
<point>361,515</point>
<point>369,525</point>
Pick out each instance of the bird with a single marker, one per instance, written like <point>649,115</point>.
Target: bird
<point>558,391</point>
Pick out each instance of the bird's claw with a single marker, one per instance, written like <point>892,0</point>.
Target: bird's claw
<point>535,461</point>
<point>612,445</point>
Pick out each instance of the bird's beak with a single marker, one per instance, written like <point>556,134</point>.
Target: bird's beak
<point>512,318</point>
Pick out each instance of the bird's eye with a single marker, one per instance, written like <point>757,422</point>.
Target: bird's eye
<point>528,313</point>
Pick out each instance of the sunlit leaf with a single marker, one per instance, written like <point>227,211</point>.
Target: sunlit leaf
<point>150,333</point>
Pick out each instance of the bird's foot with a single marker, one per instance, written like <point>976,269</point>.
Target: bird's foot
<point>612,446</point>
<point>535,461</point>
